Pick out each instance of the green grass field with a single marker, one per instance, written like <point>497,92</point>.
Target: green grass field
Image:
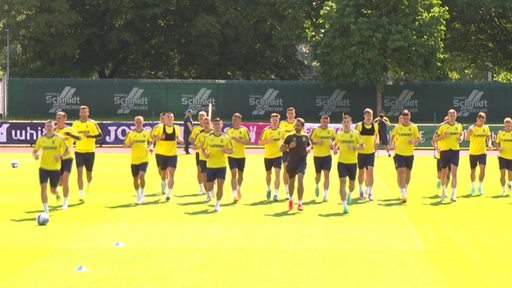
<point>255,243</point>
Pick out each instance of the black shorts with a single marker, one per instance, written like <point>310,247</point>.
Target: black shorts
<point>202,166</point>
<point>345,170</point>
<point>65,165</point>
<point>474,160</point>
<point>293,168</point>
<point>449,157</point>
<point>323,163</point>
<point>402,161</point>
<point>505,163</point>
<point>215,173</point>
<point>440,167</point>
<point>286,156</point>
<point>165,162</point>
<point>384,138</point>
<point>52,175</point>
<point>137,168</point>
<point>236,163</point>
<point>273,162</point>
<point>197,158</point>
<point>365,160</point>
<point>85,159</point>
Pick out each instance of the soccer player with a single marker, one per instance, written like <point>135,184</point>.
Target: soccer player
<point>366,158</point>
<point>85,147</point>
<point>321,138</point>
<point>403,139</point>
<point>479,136</point>
<point>198,146</point>
<point>437,152</point>
<point>215,148</point>
<point>240,137</point>
<point>298,146</point>
<point>200,116</point>
<point>347,143</point>
<point>504,146</point>
<point>138,140</point>
<point>187,129</point>
<point>383,123</point>
<point>448,136</point>
<point>288,127</point>
<point>168,136</point>
<point>272,137</point>
<point>54,150</point>
<point>152,149</point>
<point>70,135</point>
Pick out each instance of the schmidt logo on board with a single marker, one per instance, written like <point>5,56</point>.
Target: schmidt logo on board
<point>405,101</point>
<point>269,102</point>
<point>65,100</point>
<point>470,104</point>
<point>199,101</point>
<point>131,101</point>
<point>335,103</point>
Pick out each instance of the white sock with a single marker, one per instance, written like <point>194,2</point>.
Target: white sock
<point>217,203</point>
<point>239,187</point>
<point>65,201</point>
<point>268,188</point>
<point>45,207</point>
<point>275,191</point>
<point>361,188</point>
<point>444,189</point>
<point>480,185</point>
<point>403,191</point>
<point>473,184</point>
<point>169,190</point>
<point>201,187</point>
<point>503,188</point>
<point>291,199</point>
<point>344,203</point>
<point>369,189</point>
<point>287,189</point>
<point>325,192</point>
<point>210,194</point>
<point>235,193</point>
<point>81,192</point>
<point>453,192</point>
<point>88,184</point>
<point>141,192</point>
<point>317,186</point>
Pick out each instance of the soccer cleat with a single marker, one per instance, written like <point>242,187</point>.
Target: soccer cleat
<point>453,199</point>
<point>370,197</point>
<point>345,209</point>
<point>167,198</point>
<point>472,191</point>
<point>349,198</point>
<point>82,195</point>
<point>235,199</point>
<point>268,195</point>
<point>480,190</point>
<point>208,197</point>
<point>239,194</point>
<point>509,185</point>
<point>275,198</point>
<point>317,191</point>
<point>504,193</point>
<point>325,198</point>
<point>404,198</point>
<point>290,205</point>
<point>438,185</point>
<point>201,192</point>
<point>163,186</point>
<point>217,208</point>
<point>361,195</point>
<point>64,205</point>
<point>299,207</point>
<point>443,196</point>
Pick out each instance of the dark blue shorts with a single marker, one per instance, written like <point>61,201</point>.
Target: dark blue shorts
<point>402,161</point>
<point>505,163</point>
<point>137,168</point>
<point>474,160</point>
<point>293,168</point>
<point>273,162</point>
<point>286,156</point>
<point>449,157</point>
<point>323,163</point>
<point>236,163</point>
<point>365,160</point>
<point>347,170</point>
<point>165,162</point>
<point>65,165</point>
<point>440,167</point>
<point>215,173</point>
<point>197,158</point>
<point>384,138</point>
<point>85,159</point>
<point>202,166</point>
<point>52,175</point>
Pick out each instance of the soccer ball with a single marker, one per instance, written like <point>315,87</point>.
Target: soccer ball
<point>42,219</point>
<point>14,164</point>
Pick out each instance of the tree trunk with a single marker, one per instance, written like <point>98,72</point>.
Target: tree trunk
<point>378,91</point>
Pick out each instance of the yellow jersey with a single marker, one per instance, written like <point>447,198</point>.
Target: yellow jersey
<point>504,139</point>
<point>214,145</point>
<point>243,134</point>
<point>167,146</point>
<point>368,133</point>
<point>199,142</point>
<point>402,134</point>
<point>195,131</point>
<point>452,141</point>
<point>87,144</point>
<point>326,135</point>
<point>344,140</point>
<point>66,132</point>
<point>478,140</point>
<point>287,127</point>
<point>273,149</point>
<point>139,142</point>
<point>51,146</point>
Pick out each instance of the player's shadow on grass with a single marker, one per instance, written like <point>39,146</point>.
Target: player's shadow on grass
<point>313,202</point>
<point>187,195</point>
<point>192,203</point>
<point>59,207</point>
<point>259,203</point>
<point>24,219</point>
<point>283,213</point>
<point>200,212</point>
<point>390,202</point>
<point>132,205</point>
<point>336,214</point>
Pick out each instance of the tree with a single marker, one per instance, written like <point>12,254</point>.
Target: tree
<point>366,42</point>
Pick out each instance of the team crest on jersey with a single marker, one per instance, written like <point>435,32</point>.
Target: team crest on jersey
<point>304,138</point>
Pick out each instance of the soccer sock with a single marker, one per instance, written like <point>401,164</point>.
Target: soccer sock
<point>210,194</point>
<point>444,189</point>
<point>480,185</point>
<point>473,184</point>
<point>45,207</point>
<point>453,191</point>
<point>403,191</point>
<point>291,199</point>
<point>88,184</point>
<point>317,186</point>
<point>503,189</point>
<point>344,203</point>
<point>201,187</point>
<point>65,201</point>
<point>234,193</point>
<point>268,188</point>
<point>169,190</point>
<point>239,187</point>
<point>275,191</point>
<point>325,192</point>
<point>369,188</point>
<point>82,192</point>
<point>299,202</point>
<point>361,188</point>
<point>217,203</point>
<point>286,188</point>
<point>142,192</point>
